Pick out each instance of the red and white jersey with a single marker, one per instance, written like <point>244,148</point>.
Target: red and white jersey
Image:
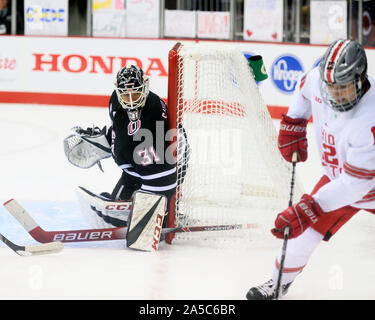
<point>345,142</point>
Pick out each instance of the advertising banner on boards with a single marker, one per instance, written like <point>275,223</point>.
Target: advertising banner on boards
<point>81,71</point>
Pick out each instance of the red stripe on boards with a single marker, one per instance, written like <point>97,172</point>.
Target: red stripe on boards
<point>54,98</point>
<point>85,100</point>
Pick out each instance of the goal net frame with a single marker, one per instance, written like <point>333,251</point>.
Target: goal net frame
<point>260,112</point>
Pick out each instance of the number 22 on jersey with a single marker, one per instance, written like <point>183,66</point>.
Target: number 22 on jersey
<point>329,157</point>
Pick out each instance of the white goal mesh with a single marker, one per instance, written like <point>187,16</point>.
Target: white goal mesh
<point>235,173</point>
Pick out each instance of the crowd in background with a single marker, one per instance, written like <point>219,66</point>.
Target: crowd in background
<point>78,13</point>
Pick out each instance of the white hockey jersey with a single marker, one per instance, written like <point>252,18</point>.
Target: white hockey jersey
<point>345,142</point>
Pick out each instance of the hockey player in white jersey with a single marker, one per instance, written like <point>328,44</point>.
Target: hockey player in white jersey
<point>340,96</point>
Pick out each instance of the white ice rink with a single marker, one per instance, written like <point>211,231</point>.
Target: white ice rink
<point>34,170</point>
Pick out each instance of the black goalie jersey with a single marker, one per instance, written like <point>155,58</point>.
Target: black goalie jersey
<point>141,148</point>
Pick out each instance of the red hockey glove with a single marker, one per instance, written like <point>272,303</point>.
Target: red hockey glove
<point>292,137</point>
<point>298,217</point>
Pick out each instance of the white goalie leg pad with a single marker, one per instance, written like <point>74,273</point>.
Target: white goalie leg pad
<point>146,221</point>
<point>101,212</point>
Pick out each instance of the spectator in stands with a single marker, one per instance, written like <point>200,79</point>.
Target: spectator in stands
<point>5,17</point>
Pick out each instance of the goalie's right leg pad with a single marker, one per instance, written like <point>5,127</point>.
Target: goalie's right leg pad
<point>146,221</point>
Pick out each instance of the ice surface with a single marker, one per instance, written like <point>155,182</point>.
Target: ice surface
<point>34,170</point>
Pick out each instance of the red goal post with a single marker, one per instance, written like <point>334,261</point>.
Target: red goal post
<point>172,119</point>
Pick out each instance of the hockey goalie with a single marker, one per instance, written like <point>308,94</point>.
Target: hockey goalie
<point>151,146</point>
<point>139,121</point>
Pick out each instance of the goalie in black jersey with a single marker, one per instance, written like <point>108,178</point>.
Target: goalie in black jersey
<point>137,139</point>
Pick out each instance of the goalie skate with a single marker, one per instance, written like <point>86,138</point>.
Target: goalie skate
<point>266,291</point>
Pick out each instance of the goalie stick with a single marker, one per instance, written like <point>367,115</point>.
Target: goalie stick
<point>44,248</point>
<point>43,236</point>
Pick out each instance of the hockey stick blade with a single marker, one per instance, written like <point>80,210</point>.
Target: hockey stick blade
<point>45,248</point>
<point>82,235</point>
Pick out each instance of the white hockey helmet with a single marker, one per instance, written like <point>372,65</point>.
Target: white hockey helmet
<point>343,72</point>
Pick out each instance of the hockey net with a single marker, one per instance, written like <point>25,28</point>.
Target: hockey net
<point>234,173</point>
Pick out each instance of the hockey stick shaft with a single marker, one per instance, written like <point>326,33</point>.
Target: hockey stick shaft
<point>104,234</point>
<point>286,230</point>
<point>227,227</point>
<point>118,233</point>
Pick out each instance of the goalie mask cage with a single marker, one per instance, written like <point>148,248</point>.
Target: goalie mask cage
<point>234,173</point>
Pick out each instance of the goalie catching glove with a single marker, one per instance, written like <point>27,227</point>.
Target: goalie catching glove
<point>292,138</point>
<point>86,147</point>
<point>298,217</point>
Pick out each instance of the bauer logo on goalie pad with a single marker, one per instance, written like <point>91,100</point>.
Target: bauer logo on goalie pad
<point>146,221</point>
